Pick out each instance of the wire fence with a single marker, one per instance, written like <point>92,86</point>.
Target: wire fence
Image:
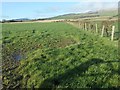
<point>103,28</point>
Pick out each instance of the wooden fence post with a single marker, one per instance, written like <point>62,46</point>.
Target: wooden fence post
<point>85,26</point>
<point>96,28</point>
<point>112,34</point>
<point>102,31</point>
<point>89,27</point>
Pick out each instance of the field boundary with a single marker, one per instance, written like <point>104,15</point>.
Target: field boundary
<point>102,28</point>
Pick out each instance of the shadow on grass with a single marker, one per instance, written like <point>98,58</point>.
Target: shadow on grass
<point>53,82</point>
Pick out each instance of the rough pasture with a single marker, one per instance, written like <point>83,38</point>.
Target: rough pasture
<point>57,55</point>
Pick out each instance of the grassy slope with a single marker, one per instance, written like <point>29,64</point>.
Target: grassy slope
<point>111,12</point>
<point>50,60</point>
<point>72,16</point>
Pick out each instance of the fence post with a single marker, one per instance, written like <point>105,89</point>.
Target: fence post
<point>102,31</point>
<point>89,27</point>
<point>112,34</point>
<point>79,24</point>
<point>85,26</point>
<point>96,28</point>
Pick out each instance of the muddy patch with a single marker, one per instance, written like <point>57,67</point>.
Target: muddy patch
<point>17,57</point>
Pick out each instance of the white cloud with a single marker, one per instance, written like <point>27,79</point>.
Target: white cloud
<point>88,6</point>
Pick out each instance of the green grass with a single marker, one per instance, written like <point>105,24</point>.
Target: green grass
<point>57,55</point>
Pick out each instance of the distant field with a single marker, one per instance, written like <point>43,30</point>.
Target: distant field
<point>57,55</point>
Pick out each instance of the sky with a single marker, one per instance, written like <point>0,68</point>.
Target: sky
<point>14,10</point>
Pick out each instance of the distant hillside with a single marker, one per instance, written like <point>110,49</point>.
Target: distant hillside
<point>76,16</point>
<point>21,19</point>
<point>108,12</point>
<point>16,20</point>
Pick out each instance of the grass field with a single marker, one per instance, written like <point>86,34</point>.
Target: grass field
<point>57,55</point>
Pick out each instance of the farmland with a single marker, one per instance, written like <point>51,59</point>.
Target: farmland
<point>57,55</point>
